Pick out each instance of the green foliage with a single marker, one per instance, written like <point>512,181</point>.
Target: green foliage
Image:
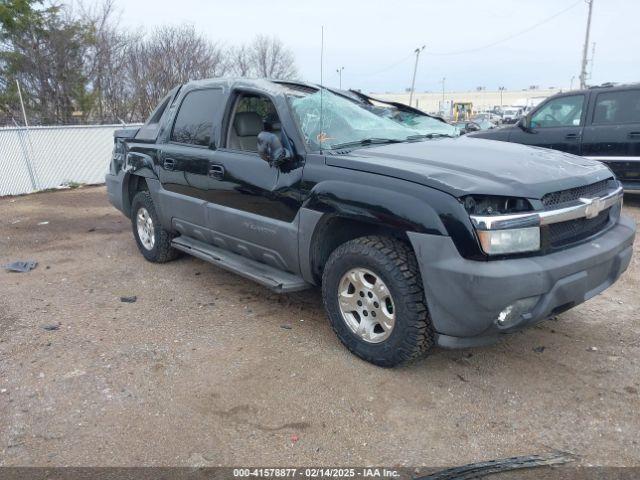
<point>75,64</point>
<point>44,50</point>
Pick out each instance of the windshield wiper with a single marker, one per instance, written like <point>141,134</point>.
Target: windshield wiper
<point>428,135</point>
<point>366,141</point>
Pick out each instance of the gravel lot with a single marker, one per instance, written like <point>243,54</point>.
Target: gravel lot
<point>207,368</point>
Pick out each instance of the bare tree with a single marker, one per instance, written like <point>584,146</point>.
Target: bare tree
<point>240,61</point>
<point>271,59</point>
<point>106,65</point>
<point>168,57</point>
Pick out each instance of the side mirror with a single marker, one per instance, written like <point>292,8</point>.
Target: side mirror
<point>271,150</point>
<point>524,123</point>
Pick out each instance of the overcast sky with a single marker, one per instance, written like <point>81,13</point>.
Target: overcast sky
<point>374,39</point>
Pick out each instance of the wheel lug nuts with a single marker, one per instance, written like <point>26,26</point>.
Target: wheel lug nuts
<point>359,303</point>
<point>376,304</point>
<point>373,314</point>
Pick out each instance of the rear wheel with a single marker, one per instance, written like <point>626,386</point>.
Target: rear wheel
<point>373,294</point>
<point>154,242</point>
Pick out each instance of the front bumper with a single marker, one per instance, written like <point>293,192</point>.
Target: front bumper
<point>465,297</point>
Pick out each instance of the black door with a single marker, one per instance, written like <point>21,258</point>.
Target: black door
<point>184,161</point>
<point>613,133</point>
<point>252,205</point>
<point>556,124</point>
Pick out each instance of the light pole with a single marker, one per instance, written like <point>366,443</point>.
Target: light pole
<point>501,90</point>
<point>415,69</point>
<point>339,71</point>
<point>442,107</point>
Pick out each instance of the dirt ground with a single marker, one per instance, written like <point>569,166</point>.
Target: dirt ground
<point>207,368</point>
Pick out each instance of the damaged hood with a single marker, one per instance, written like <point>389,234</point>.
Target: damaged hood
<point>462,166</point>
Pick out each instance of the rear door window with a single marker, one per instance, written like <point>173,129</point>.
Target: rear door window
<point>614,108</point>
<point>149,131</point>
<point>560,112</point>
<point>194,122</point>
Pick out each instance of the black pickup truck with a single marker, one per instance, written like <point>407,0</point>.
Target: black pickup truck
<point>416,240</point>
<point>601,123</point>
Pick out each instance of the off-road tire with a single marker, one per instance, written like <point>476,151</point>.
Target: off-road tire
<point>162,250</point>
<point>394,261</point>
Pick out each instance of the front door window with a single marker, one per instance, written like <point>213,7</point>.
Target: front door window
<point>561,112</point>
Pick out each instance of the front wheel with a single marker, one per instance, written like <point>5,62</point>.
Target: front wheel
<point>373,295</point>
<point>154,242</point>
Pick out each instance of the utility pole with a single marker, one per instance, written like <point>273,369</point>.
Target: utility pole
<point>593,55</point>
<point>573,77</point>
<point>585,49</point>
<point>339,70</point>
<point>415,69</point>
<point>501,90</point>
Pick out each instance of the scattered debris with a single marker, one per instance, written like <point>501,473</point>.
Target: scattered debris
<point>3,390</point>
<point>286,327</point>
<point>131,299</point>
<point>462,379</point>
<point>51,327</point>
<point>294,438</point>
<point>74,373</point>
<point>592,349</point>
<point>92,229</point>
<point>21,266</point>
<point>481,469</point>
<point>539,349</point>
<point>43,223</point>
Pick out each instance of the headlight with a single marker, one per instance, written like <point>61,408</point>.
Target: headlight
<point>515,240</point>
<point>504,224</point>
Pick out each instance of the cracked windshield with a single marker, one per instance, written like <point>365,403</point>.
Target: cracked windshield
<point>346,123</point>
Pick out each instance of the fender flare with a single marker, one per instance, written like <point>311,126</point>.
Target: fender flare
<point>345,200</point>
<point>376,205</point>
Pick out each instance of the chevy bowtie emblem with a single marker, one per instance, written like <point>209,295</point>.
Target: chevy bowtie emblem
<point>593,206</point>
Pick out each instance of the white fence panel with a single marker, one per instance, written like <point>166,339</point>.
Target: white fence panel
<point>46,157</point>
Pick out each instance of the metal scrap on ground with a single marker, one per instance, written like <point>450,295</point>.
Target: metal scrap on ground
<point>481,469</point>
<point>20,266</point>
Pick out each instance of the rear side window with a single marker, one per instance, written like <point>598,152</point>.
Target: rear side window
<point>617,107</point>
<point>194,122</point>
<point>149,131</point>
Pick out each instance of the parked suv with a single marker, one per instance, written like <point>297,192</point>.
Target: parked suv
<point>415,239</point>
<point>601,123</point>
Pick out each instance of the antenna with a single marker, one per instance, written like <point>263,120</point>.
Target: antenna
<point>321,133</point>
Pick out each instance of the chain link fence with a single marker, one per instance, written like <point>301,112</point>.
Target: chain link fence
<point>37,158</point>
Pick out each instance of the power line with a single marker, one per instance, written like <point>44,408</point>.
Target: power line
<point>389,67</point>
<point>510,37</point>
<point>461,52</point>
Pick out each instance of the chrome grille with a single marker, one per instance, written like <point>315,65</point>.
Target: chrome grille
<point>567,196</point>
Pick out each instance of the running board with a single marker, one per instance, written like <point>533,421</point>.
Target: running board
<point>271,277</point>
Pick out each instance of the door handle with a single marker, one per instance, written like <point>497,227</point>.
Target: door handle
<point>634,135</point>
<point>216,171</point>
<point>169,164</point>
<point>572,136</point>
